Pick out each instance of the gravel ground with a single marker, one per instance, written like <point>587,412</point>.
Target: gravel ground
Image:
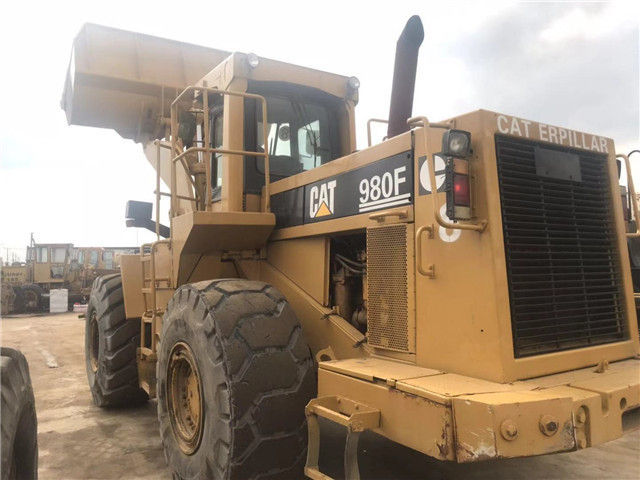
<point>77,440</point>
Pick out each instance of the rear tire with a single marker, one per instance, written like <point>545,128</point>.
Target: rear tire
<point>111,341</point>
<point>235,352</point>
<point>18,422</point>
<point>32,295</point>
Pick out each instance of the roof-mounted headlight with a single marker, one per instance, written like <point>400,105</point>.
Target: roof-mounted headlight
<point>253,60</point>
<point>456,143</point>
<point>354,83</point>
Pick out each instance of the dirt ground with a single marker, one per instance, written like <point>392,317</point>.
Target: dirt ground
<point>77,440</point>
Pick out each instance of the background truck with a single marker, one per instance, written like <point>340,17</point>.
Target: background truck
<point>48,266</point>
<point>462,288</point>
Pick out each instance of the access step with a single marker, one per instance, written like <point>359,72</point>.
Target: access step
<point>356,417</point>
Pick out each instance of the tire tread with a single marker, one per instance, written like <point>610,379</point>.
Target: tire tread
<point>115,383</point>
<point>268,378</point>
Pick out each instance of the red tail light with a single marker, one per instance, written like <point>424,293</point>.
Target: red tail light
<point>459,189</point>
<point>461,194</point>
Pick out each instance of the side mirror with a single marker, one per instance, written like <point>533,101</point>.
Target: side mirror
<point>138,210</point>
<point>138,214</point>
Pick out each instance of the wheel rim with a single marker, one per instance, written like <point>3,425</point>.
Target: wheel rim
<point>184,394</point>
<point>31,299</point>
<point>94,342</point>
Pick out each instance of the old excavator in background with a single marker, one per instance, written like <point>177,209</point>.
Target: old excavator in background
<point>462,288</point>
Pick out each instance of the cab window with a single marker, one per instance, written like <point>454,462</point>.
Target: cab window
<point>216,138</point>
<point>57,271</point>
<point>216,123</point>
<point>42,254</point>
<point>108,260</point>
<point>58,255</point>
<point>302,131</point>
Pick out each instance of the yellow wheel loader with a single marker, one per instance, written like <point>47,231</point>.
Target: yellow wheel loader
<point>26,286</point>
<point>462,288</point>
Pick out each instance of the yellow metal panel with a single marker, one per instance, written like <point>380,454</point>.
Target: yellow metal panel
<point>163,272</point>
<point>539,365</point>
<point>492,420</point>
<point>198,233</point>
<point>474,326</point>
<point>270,70</point>
<point>606,384</point>
<point>441,388</point>
<point>376,368</point>
<point>131,271</point>
<point>233,139</point>
<point>398,144</point>
<point>312,274</point>
<point>566,378</point>
<point>466,302</point>
<point>321,329</point>
<point>42,273</point>
<point>412,421</point>
<point>345,224</point>
<point>481,423</point>
<point>13,274</point>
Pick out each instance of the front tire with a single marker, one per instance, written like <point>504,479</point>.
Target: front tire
<point>234,376</point>
<point>111,341</point>
<point>19,436</point>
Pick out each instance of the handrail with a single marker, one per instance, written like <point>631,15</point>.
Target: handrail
<point>632,192</point>
<point>424,122</point>
<point>158,166</point>
<point>430,271</point>
<point>208,150</point>
<point>181,197</point>
<point>217,150</point>
<point>369,122</point>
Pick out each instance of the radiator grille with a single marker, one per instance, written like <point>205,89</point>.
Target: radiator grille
<point>565,284</point>
<point>387,284</point>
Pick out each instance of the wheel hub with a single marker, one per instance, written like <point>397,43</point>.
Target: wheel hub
<point>31,299</point>
<point>184,394</point>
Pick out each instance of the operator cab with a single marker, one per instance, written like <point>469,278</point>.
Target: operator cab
<point>302,133</point>
<point>309,123</point>
<point>302,126</point>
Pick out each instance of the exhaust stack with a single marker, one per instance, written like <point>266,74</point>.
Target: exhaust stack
<point>404,76</point>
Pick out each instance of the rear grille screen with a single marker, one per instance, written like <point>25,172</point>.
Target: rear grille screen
<point>565,282</point>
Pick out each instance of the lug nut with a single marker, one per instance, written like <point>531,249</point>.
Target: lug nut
<point>548,425</point>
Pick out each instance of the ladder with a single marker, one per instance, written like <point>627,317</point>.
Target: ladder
<point>151,320</point>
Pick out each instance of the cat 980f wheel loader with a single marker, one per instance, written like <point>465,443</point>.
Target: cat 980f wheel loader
<point>462,288</point>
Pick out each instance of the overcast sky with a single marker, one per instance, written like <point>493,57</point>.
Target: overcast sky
<point>568,64</point>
